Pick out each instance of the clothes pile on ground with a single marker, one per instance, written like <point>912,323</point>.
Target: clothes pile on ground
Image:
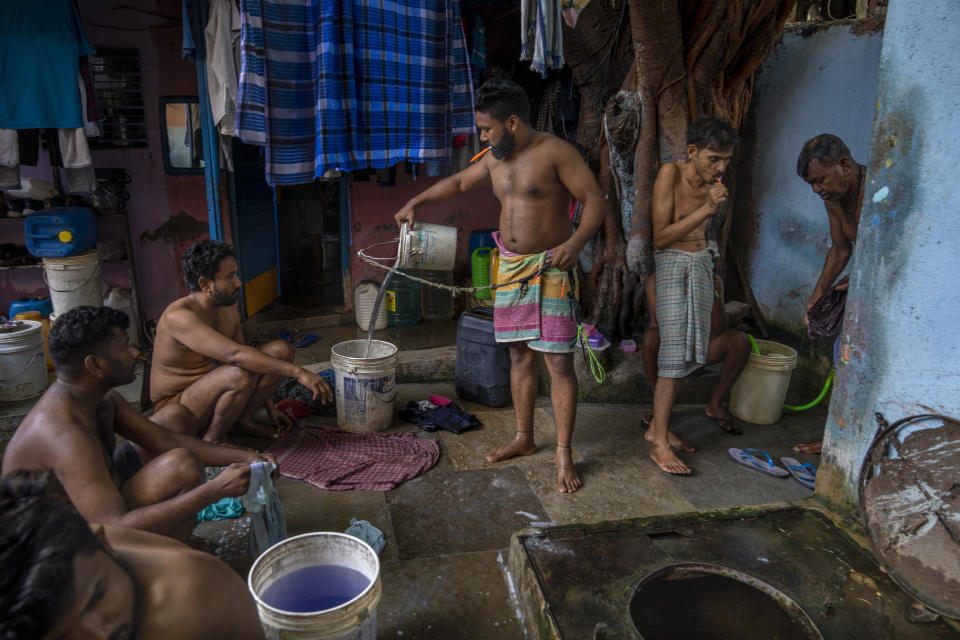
<point>297,401</point>
<point>430,417</point>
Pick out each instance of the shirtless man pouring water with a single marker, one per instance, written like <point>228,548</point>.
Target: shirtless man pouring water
<point>533,174</point>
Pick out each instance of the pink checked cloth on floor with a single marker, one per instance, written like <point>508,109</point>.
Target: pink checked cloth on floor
<point>331,458</point>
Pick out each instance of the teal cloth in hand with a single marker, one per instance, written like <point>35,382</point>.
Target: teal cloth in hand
<point>221,510</point>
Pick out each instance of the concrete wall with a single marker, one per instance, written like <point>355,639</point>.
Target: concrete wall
<point>901,348</point>
<point>166,213</point>
<point>818,79</point>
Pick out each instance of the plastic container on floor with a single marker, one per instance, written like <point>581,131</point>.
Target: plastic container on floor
<point>355,619</point>
<point>759,392</point>
<point>59,232</point>
<point>121,300</point>
<point>483,366</point>
<point>365,388</point>
<point>74,281</point>
<point>36,316</point>
<point>23,373</point>
<point>436,303</point>
<point>402,301</point>
<point>480,271</point>
<point>364,297</point>
<point>41,304</point>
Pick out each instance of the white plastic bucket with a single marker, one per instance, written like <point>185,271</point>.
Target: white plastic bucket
<point>364,297</point>
<point>74,281</point>
<point>759,392</point>
<point>427,246</point>
<point>23,369</point>
<point>355,619</point>
<point>365,387</point>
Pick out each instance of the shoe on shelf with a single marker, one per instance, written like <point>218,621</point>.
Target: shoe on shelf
<point>32,206</point>
<point>15,208</point>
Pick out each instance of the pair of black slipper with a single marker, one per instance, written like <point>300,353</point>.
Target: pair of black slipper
<point>727,424</point>
<point>12,255</point>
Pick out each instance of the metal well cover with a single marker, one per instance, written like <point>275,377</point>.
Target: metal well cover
<point>910,504</point>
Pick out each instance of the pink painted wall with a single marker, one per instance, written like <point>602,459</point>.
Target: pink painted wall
<point>373,207</point>
<point>155,198</point>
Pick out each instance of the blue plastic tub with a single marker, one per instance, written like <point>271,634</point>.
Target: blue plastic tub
<point>59,232</point>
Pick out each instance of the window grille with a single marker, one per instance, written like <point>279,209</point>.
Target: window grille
<point>119,93</point>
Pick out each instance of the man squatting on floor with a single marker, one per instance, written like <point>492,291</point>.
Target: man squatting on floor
<point>154,481</point>
<point>533,175</point>
<point>200,359</point>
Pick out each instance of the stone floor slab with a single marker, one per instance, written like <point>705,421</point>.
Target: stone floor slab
<point>457,597</point>
<point>613,488</point>
<point>308,509</point>
<point>470,449</point>
<point>449,512</point>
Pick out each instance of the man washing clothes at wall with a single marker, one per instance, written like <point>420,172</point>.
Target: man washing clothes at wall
<point>533,174</point>
<point>156,485</point>
<point>685,196</point>
<point>200,360</point>
<point>64,579</point>
<point>826,165</point>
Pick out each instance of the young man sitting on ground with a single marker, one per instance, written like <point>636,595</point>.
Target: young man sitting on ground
<point>73,427</point>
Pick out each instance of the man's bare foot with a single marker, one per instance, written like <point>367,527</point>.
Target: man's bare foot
<point>809,447</point>
<point>257,429</point>
<point>521,445</point>
<point>675,441</point>
<point>664,458</point>
<point>568,480</point>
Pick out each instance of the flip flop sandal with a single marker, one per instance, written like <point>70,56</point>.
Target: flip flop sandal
<point>728,425</point>
<point>286,336</point>
<point>746,458</point>
<point>805,474</point>
<point>306,339</point>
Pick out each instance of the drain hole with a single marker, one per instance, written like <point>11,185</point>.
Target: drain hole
<point>712,602</point>
<point>660,535</point>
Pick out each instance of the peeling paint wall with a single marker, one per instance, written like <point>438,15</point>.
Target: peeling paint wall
<point>900,345</point>
<point>819,79</point>
<point>159,204</point>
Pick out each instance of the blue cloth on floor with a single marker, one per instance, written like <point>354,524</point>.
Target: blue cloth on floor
<point>221,510</point>
<point>352,84</point>
<point>267,524</point>
<point>368,533</point>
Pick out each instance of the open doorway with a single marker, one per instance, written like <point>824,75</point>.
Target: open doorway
<point>308,238</point>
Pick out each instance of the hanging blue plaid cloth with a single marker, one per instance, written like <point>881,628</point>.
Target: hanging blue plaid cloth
<point>352,84</point>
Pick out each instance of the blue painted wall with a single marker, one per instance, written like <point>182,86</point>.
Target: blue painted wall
<point>822,82</point>
<point>901,345</point>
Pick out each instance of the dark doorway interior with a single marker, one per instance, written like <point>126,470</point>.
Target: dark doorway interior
<point>308,224</point>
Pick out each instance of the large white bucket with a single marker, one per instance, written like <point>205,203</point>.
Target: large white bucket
<point>759,392</point>
<point>365,387</point>
<point>74,281</point>
<point>364,297</point>
<point>23,369</point>
<point>355,619</point>
<point>427,246</point>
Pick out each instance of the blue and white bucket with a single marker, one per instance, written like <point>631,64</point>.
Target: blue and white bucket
<point>365,387</point>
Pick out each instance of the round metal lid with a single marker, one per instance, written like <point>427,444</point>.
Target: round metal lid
<point>910,505</point>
